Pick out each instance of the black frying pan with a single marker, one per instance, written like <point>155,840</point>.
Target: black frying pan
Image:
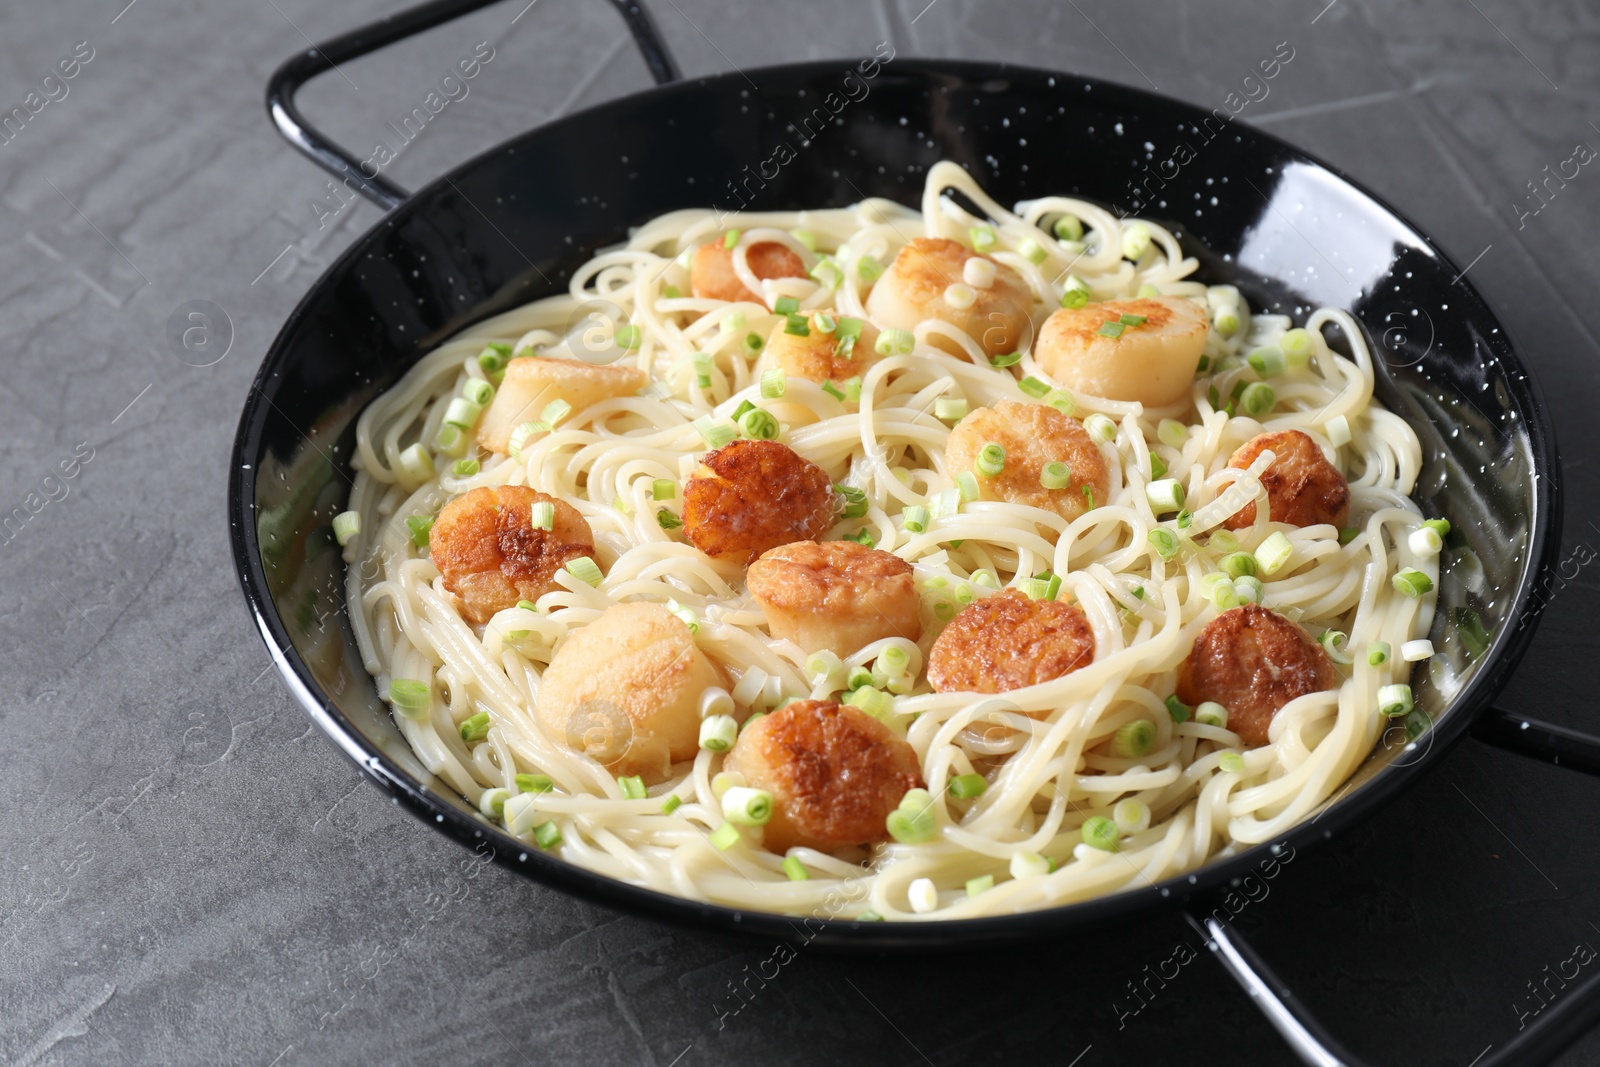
<point>510,226</point>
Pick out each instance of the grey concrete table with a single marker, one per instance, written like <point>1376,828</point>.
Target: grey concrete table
<point>189,875</point>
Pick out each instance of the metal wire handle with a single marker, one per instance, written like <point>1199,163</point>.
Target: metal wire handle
<point>338,161</point>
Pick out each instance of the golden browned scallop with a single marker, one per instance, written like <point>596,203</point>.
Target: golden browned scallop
<point>818,356</point>
<point>1303,488</point>
<point>491,556</point>
<point>711,271</point>
<point>836,595</point>
<point>749,496</point>
<point>626,689</point>
<point>914,289</point>
<point>1152,362</point>
<point>834,772</point>
<point>1253,661</point>
<point>1007,641</point>
<point>532,382</point>
<point>1033,436</point>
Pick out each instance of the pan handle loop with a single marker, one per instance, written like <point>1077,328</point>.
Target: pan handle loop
<point>1552,1030</point>
<point>334,158</point>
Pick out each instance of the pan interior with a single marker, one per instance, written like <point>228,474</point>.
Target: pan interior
<point>511,226</point>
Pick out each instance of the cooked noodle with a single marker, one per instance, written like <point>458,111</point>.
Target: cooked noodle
<point>1049,771</point>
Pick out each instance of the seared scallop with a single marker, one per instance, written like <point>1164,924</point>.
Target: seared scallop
<point>1151,361</point>
<point>834,772</point>
<point>1303,488</point>
<point>926,281</point>
<point>1007,641</point>
<point>711,271</point>
<point>1253,661</point>
<point>750,496</point>
<point>625,690</point>
<point>837,595</point>
<point>491,555</point>
<point>818,356</point>
<point>532,382</point>
<point>1033,436</point>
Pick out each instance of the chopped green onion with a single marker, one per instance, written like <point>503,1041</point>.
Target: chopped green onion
<point>796,325</point>
<point>874,702</point>
<point>1417,723</point>
<point>1177,709</point>
<point>848,328</point>
<point>346,524</point>
<point>464,468</point>
<point>1296,346</point>
<point>991,459</point>
<point>1378,653</point>
<point>544,515</point>
<point>1147,291</point>
<point>493,803</point>
<point>671,804</point>
<point>1100,832</point>
<point>894,660</point>
<point>852,389</point>
<point>828,272</point>
<point>1032,251</point>
<point>1132,320</point>
<point>980,885</point>
<point>966,488</point>
<point>747,807</point>
<point>1135,240</point>
<point>1076,294</point>
<point>1158,466</point>
<point>714,431</point>
<point>806,238</point>
<point>1273,553</point>
<point>1268,361</point>
<point>915,518</point>
<point>1257,399</point>
<point>1172,433</point>
<point>1165,543</point>
<point>1425,541</point>
<point>1111,329</point>
<point>632,787</point>
<point>833,390</point>
<point>731,241</point>
<point>785,305</point>
<point>968,786</point>
<point>1439,526</point>
<point>950,409</point>
<point>1088,497</point>
<point>547,835</point>
<point>1249,590</point>
<point>824,323</point>
<point>1185,519</point>
<point>475,728</point>
<point>1055,475</point>
<point>664,489</point>
<point>1412,583</point>
<point>1034,588</point>
<point>534,783</point>
<point>450,439</point>
<point>1226,320</point>
<point>1025,864</point>
<point>868,269</point>
<point>1238,565</point>
<point>667,519</point>
<point>1164,494</point>
<point>628,336</point>
<point>410,697</point>
<point>585,570</point>
<point>1210,713</point>
<point>1101,427</point>
<point>858,677</point>
<point>420,526</point>
<point>1395,700</point>
<point>983,238</point>
<point>462,413</point>
<point>795,869</point>
<point>1416,651</point>
<point>478,391</point>
<point>1134,738</point>
<point>1333,643</point>
<point>855,501</point>
<point>912,825</point>
<point>1034,387</point>
<point>774,383</point>
<point>1061,401</point>
<point>1224,596</point>
<point>724,837</point>
<point>671,292</point>
<point>1068,228</point>
<point>1231,762</point>
<point>1007,359</point>
<point>1338,431</point>
<point>758,425</point>
<point>895,342</point>
<point>1348,534</point>
<point>717,733</point>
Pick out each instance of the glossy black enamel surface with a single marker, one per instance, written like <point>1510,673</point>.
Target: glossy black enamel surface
<point>509,227</point>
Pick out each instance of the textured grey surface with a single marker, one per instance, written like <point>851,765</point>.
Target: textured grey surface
<point>190,876</point>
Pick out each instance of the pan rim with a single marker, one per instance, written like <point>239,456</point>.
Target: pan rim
<point>1498,661</point>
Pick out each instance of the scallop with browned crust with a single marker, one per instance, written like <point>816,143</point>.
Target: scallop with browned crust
<point>834,772</point>
<point>821,357</point>
<point>1033,436</point>
<point>836,595</point>
<point>711,272</point>
<point>917,286</point>
<point>491,555</point>
<point>749,496</point>
<point>625,690</point>
<point>1303,488</point>
<point>1152,359</point>
<point>532,383</point>
<point>1008,641</point>
<point>1253,661</point>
